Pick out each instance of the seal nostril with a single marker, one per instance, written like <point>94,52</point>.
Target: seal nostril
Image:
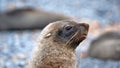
<point>85,25</point>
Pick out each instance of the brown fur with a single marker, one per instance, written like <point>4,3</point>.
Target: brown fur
<point>52,52</point>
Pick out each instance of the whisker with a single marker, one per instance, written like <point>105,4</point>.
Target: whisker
<point>71,38</point>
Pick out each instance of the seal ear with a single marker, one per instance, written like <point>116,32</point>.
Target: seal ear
<point>48,35</point>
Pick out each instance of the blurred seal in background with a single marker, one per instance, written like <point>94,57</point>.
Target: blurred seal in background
<point>106,46</point>
<point>28,18</point>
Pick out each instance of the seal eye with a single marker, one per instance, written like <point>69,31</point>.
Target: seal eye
<point>68,27</point>
<point>67,31</point>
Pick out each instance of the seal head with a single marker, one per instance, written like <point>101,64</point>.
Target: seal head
<point>66,32</point>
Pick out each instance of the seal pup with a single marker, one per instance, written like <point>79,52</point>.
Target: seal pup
<point>57,43</point>
<point>106,46</point>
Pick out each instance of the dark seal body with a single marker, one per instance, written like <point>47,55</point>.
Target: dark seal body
<point>28,18</point>
<point>57,43</point>
<point>106,46</point>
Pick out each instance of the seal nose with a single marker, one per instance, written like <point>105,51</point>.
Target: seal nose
<point>85,25</point>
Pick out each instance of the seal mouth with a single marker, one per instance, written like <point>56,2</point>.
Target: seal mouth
<point>77,38</point>
<point>84,35</point>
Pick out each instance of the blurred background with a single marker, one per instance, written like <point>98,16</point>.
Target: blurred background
<point>17,38</point>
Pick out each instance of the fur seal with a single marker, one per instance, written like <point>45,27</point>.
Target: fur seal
<point>106,46</point>
<point>57,43</point>
<point>28,18</point>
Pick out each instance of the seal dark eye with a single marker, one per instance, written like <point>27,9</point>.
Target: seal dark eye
<point>68,27</point>
<point>67,32</point>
